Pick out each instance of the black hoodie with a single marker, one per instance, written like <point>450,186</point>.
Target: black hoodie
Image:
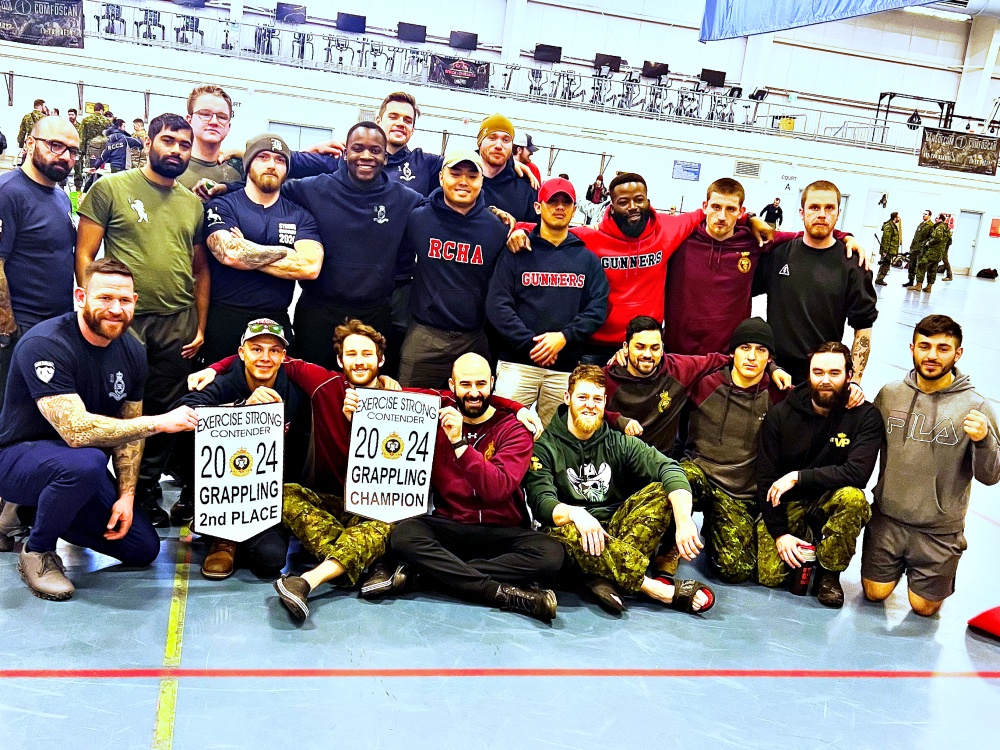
<point>456,255</point>
<point>553,288</point>
<point>838,450</point>
<point>511,193</point>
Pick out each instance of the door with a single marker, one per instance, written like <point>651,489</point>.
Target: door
<point>963,244</point>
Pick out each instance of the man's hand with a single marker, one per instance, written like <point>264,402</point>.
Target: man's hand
<point>689,542</point>
<point>121,516</point>
<point>230,152</point>
<point>855,396</point>
<point>505,217</point>
<point>518,241</point>
<point>388,384</point>
<point>327,148</point>
<point>788,549</point>
<point>782,486</point>
<point>592,534</point>
<point>633,428</point>
<point>189,350</point>
<point>264,395</point>
<point>547,347</point>
<point>524,171</point>
<point>976,425</point>
<point>853,247</point>
<point>762,231</point>
<point>207,189</point>
<point>351,400</point>
<point>181,419</point>
<point>197,381</point>
<point>620,358</point>
<point>531,422</point>
<point>451,423</point>
<point>781,379</point>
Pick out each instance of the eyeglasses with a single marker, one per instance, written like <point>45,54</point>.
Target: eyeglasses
<point>206,115</point>
<point>274,328</point>
<point>59,148</point>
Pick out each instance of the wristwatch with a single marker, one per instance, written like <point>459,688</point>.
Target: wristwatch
<point>460,443</point>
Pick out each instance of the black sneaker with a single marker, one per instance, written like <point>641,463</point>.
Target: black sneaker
<point>148,501</point>
<point>183,510</point>
<point>827,588</point>
<point>879,282</point>
<point>385,580</point>
<point>538,604</point>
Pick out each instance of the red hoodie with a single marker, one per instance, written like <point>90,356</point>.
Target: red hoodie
<point>636,268</point>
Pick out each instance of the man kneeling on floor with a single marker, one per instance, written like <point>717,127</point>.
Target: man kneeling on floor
<point>815,458</point>
<point>478,542</point>
<point>74,395</point>
<point>608,498</point>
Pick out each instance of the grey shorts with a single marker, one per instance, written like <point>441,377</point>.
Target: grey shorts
<point>930,561</point>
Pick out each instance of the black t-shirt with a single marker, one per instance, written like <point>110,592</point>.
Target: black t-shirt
<point>54,359</point>
<point>284,223</point>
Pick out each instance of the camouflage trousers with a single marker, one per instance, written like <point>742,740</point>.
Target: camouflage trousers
<point>928,264</point>
<point>320,522</point>
<point>635,530</point>
<point>729,527</point>
<point>832,522</point>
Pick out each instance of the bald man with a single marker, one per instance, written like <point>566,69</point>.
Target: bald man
<point>37,236</point>
<point>478,543</point>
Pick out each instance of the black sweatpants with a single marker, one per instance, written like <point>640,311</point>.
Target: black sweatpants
<point>472,560</point>
<point>315,324</point>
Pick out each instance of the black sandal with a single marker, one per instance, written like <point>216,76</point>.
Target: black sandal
<point>684,593</point>
<point>606,594</point>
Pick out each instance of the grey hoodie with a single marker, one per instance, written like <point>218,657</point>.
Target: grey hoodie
<point>928,462</point>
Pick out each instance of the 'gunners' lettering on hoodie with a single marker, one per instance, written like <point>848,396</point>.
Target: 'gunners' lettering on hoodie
<point>455,251</point>
<point>624,262</point>
<point>544,278</point>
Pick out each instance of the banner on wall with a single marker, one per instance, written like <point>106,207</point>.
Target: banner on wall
<point>50,24</point>
<point>459,72</point>
<point>959,152</point>
<point>729,19</point>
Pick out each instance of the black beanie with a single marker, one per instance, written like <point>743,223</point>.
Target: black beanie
<point>752,331</point>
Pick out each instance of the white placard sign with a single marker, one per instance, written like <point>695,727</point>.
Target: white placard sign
<point>392,450</point>
<point>238,463</point>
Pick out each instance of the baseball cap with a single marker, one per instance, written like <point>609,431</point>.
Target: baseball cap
<point>524,140</point>
<point>556,185</point>
<point>264,327</point>
<point>265,142</point>
<point>457,156</point>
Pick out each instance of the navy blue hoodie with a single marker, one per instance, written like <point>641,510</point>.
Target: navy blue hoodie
<point>552,288</point>
<point>456,255</point>
<point>116,149</point>
<point>417,170</point>
<point>511,193</point>
<point>362,231</point>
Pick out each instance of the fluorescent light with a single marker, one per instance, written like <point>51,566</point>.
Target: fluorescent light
<point>944,15</point>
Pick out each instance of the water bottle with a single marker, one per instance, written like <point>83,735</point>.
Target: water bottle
<point>803,575</point>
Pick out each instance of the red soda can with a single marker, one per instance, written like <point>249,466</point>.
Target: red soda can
<point>804,574</point>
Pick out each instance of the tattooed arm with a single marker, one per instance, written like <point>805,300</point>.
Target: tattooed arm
<point>125,457</point>
<point>304,263</point>
<point>233,250</point>
<point>859,352</point>
<point>81,429</point>
<point>7,323</point>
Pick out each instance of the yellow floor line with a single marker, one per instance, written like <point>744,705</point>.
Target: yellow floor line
<point>166,701</point>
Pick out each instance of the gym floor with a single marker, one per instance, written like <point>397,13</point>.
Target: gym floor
<point>162,658</point>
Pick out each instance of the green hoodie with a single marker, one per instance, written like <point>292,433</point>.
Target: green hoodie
<point>599,474</point>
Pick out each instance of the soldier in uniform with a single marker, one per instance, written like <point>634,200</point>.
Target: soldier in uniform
<point>29,120</point>
<point>93,127</point>
<point>917,245</point>
<point>889,248</point>
<point>937,247</point>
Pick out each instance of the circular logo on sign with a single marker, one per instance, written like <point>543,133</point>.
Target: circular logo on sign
<point>743,264</point>
<point>392,446</point>
<point>240,463</point>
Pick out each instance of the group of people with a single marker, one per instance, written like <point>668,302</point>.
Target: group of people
<point>928,249</point>
<point>631,339</point>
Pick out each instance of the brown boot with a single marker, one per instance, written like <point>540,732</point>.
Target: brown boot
<point>221,560</point>
<point>928,288</point>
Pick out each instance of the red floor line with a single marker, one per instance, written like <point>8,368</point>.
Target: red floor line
<point>987,518</point>
<point>160,672</point>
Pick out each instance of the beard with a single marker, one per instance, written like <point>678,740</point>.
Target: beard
<point>473,406</point>
<point>167,166</point>
<point>632,230</point>
<point>645,366</point>
<point>266,183</point>
<point>361,376</point>
<point>943,370</point>
<point>102,324</point>
<point>585,422</point>
<point>55,171</point>
<point>819,231</point>
<point>835,398</point>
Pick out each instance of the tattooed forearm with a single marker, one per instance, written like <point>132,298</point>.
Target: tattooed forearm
<point>7,323</point>
<point>237,252</point>
<point>860,351</point>
<point>81,429</point>
<point>125,458</point>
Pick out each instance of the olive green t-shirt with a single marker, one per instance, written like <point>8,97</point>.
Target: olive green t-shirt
<point>222,174</point>
<point>152,230</point>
